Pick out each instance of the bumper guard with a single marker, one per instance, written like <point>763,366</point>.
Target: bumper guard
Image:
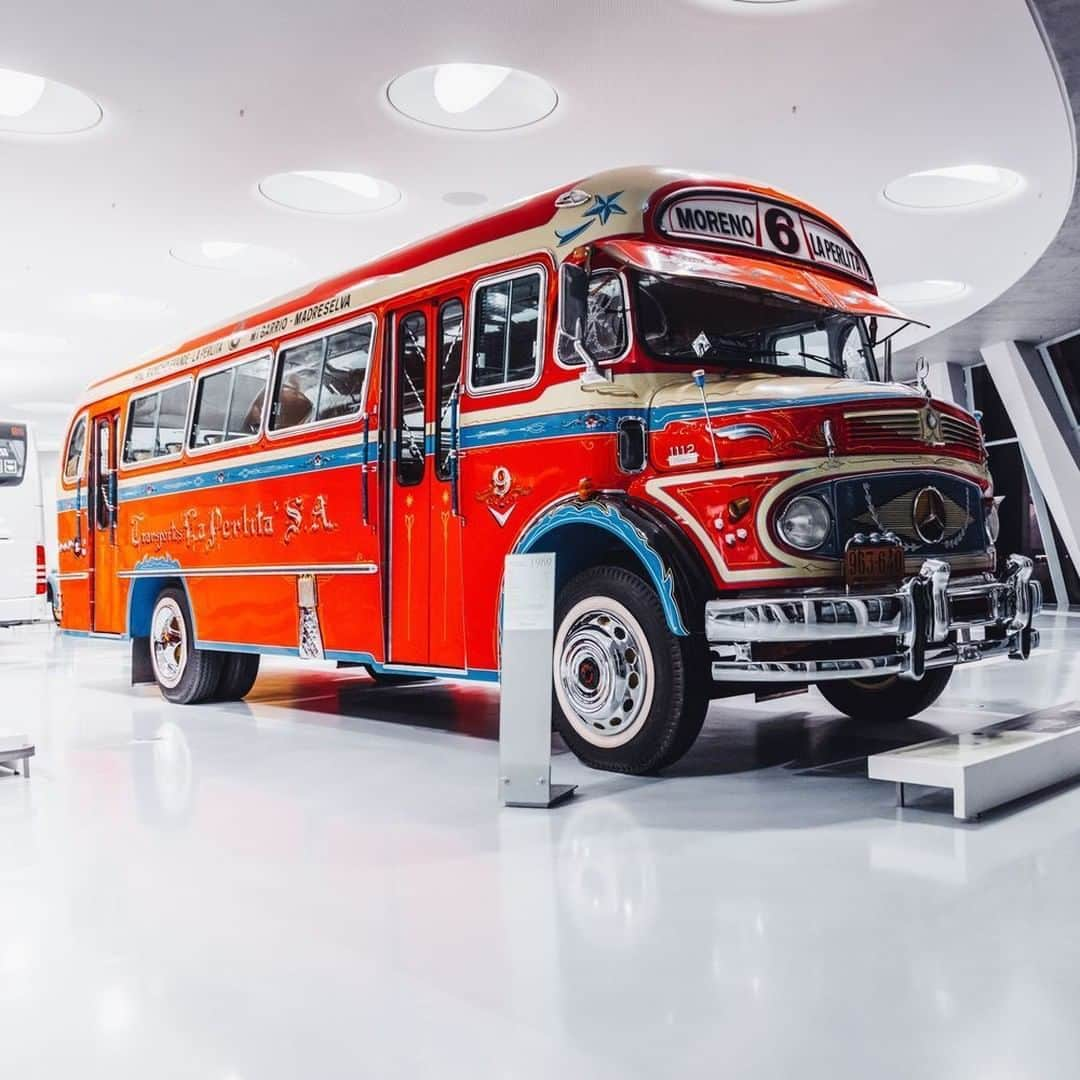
<point>929,621</point>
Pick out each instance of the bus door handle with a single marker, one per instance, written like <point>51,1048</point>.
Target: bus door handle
<point>364,474</point>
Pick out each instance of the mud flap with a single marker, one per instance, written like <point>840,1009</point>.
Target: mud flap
<point>142,670</point>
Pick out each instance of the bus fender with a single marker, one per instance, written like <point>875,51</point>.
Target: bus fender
<point>571,529</point>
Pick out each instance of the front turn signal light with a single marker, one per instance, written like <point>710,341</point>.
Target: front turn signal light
<point>737,508</point>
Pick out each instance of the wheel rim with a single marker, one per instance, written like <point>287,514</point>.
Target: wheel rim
<point>168,643</point>
<point>603,670</point>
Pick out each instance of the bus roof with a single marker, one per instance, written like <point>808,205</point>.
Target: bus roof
<point>649,202</point>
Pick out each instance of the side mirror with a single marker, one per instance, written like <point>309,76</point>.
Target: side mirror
<point>573,316</point>
<point>574,300</point>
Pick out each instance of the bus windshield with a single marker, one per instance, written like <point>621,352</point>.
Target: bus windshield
<point>687,320</point>
<point>12,454</point>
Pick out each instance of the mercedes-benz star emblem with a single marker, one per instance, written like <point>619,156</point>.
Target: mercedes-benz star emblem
<point>928,515</point>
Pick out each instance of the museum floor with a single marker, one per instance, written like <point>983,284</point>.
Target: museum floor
<point>318,883</point>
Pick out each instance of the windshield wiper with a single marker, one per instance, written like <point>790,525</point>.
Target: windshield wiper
<point>829,363</point>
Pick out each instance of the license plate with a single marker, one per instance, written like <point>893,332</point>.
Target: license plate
<point>873,564</point>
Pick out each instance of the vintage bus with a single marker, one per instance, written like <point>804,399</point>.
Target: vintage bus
<point>22,528</point>
<point>675,383</point>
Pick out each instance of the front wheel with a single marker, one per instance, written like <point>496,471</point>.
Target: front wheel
<point>629,696</point>
<point>888,698</point>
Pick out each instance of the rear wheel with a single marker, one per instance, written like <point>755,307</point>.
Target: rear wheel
<point>238,674</point>
<point>184,674</point>
<point>888,698</point>
<point>629,696</point>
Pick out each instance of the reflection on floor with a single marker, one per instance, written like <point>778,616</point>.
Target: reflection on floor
<point>318,883</point>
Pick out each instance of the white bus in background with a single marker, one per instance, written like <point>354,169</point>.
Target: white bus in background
<point>22,528</point>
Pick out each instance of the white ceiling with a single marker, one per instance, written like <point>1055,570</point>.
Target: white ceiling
<point>830,99</point>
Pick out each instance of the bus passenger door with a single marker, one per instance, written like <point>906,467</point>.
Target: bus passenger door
<point>447,608</point>
<point>427,620</point>
<point>410,478</point>
<point>102,505</point>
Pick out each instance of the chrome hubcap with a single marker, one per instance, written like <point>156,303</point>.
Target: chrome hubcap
<point>168,643</point>
<point>603,671</point>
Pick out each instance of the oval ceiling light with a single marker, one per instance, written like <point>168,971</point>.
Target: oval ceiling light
<point>472,97</point>
<point>34,105</point>
<point>232,255</point>
<point>318,191</point>
<point>929,291</point>
<point>952,188</point>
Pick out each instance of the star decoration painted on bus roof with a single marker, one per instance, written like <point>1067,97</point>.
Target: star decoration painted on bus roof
<point>603,207</point>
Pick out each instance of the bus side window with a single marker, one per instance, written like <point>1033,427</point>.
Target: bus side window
<point>323,379</point>
<point>506,332</point>
<point>411,372</point>
<point>73,463</point>
<point>605,333</point>
<point>451,330</point>
<point>155,424</point>
<point>228,404</point>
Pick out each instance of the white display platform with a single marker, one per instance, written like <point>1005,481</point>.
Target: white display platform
<point>16,748</point>
<point>992,766</point>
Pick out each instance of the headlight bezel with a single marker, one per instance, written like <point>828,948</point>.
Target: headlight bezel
<point>813,505</point>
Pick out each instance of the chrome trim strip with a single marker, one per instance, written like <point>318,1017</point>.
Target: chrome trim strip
<point>252,571</point>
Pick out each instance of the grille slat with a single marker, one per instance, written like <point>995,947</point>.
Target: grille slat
<point>911,424</point>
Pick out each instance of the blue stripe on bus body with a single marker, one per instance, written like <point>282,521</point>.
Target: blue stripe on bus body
<point>478,436</point>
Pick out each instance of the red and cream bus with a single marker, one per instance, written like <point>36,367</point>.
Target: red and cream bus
<point>673,382</point>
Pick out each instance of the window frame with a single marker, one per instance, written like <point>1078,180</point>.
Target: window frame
<point>79,476</point>
<point>303,339</point>
<point>126,466</point>
<point>397,413</point>
<point>217,369</point>
<point>495,279</point>
<point>625,286</point>
<point>438,379</point>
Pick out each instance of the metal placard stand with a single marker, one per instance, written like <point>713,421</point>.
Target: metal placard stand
<point>525,703</point>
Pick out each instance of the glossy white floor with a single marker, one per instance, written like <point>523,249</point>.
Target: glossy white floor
<point>318,883</point>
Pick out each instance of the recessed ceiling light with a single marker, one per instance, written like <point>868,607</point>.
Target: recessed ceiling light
<point>472,97</point>
<point>19,92</point>
<point>953,187</point>
<point>33,105</point>
<point>461,87</point>
<point>929,291</point>
<point>232,255</point>
<point>327,192</point>
<point>119,306</point>
<point>465,198</point>
<point>17,341</point>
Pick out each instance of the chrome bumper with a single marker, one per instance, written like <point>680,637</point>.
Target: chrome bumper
<point>929,621</point>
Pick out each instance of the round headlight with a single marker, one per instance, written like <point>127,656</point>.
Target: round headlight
<point>805,522</point>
